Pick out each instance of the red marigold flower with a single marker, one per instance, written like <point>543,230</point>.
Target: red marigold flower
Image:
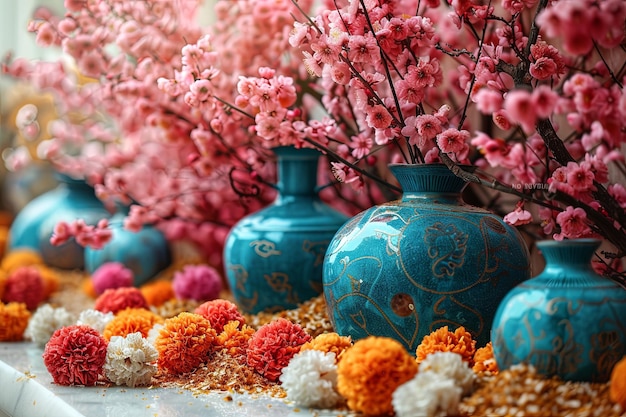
<point>75,355</point>
<point>272,346</point>
<point>220,312</point>
<point>13,321</point>
<point>24,285</point>
<point>184,342</point>
<point>116,299</point>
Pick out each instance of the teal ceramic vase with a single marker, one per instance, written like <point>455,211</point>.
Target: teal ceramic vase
<point>32,228</point>
<point>406,268</point>
<point>146,252</point>
<point>568,321</point>
<point>273,258</point>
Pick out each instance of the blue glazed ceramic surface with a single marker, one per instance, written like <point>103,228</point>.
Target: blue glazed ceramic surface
<point>568,321</point>
<point>408,267</point>
<point>32,228</point>
<point>273,258</point>
<point>145,252</point>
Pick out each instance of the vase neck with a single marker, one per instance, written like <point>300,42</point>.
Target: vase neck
<point>427,181</point>
<point>297,171</point>
<point>571,254</point>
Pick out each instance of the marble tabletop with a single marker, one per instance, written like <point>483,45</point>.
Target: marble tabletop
<point>27,390</point>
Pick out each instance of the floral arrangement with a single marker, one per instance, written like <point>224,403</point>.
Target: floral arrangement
<point>138,347</point>
<point>523,99</point>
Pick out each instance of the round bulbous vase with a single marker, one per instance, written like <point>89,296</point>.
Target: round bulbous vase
<point>568,321</point>
<point>408,267</point>
<point>145,252</point>
<point>273,258</point>
<point>32,228</point>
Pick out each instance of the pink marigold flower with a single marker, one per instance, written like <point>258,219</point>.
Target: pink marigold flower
<point>111,275</point>
<point>117,299</point>
<point>24,285</point>
<point>219,313</point>
<point>197,282</point>
<point>573,224</point>
<point>75,355</point>
<point>273,345</point>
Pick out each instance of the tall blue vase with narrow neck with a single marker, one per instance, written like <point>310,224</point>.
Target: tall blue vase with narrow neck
<point>567,321</point>
<point>32,228</point>
<point>408,267</point>
<point>273,258</point>
<point>145,252</point>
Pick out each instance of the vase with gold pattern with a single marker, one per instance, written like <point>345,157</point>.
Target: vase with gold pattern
<point>568,321</point>
<point>273,258</point>
<point>406,268</point>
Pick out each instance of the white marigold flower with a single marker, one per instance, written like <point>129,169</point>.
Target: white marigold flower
<point>95,319</point>
<point>452,366</point>
<point>428,394</point>
<point>130,360</point>
<point>45,321</point>
<point>153,333</point>
<point>310,379</point>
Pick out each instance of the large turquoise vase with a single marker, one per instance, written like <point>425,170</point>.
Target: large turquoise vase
<point>273,258</point>
<point>145,252</point>
<point>568,321</point>
<point>406,268</point>
<point>32,228</point>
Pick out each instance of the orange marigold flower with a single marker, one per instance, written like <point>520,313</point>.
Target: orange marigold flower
<point>329,342</point>
<point>88,288</point>
<point>618,383</point>
<point>157,292</point>
<point>4,238</point>
<point>370,371</point>
<point>50,280</point>
<point>233,339</point>
<point>20,257</point>
<point>184,343</point>
<point>3,279</point>
<point>131,320</point>
<point>13,321</point>
<point>484,360</point>
<point>443,340</point>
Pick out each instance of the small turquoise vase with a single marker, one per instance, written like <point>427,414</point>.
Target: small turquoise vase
<point>146,252</point>
<point>273,258</point>
<point>406,268</point>
<point>568,321</point>
<point>32,228</point>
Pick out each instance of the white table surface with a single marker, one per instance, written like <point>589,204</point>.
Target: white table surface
<point>27,390</point>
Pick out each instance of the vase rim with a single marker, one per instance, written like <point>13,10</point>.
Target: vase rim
<point>569,242</point>
<point>470,168</point>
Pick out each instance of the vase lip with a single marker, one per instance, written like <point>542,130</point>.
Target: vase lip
<point>569,243</point>
<point>436,165</point>
<point>293,151</point>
